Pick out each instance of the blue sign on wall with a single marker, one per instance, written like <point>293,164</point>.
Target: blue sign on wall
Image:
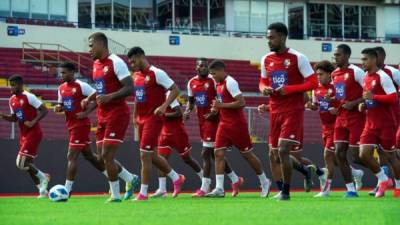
<point>174,40</point>
<point>15,31</point>
<point>326,47</point>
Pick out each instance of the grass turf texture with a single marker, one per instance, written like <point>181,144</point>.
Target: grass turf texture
<point>247,208</point>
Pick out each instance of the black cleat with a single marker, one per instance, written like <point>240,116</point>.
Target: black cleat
<point>283,197</point>
<point>373,192</point>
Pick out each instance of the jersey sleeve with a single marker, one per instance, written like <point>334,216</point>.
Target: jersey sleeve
<point>387,84</point>
<point>396,76</point>
<point>33,100</point>
<point>189,89</point>
<point>87,90</point>
<point>163,79</point>
<point>11,109</point>
<point>59,99</point>
<point>263,69</point>
<point>120,68</point>
<point>304,66</point>
<point>359,75</point>
<point>233,87</point>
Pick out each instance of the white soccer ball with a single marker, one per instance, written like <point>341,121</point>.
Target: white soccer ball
<point>58,193</point>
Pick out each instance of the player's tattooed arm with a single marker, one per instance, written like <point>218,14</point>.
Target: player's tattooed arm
<point>238,103</point>
<point>189,108</point>
<point>174,92</point>
<point>8,117</point>
<point>42,113</point>
<point>125,91</point>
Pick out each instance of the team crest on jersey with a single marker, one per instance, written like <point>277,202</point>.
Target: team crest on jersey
<point>330,91</point>
<point>105,70</point>
<point>206,85</point>
<point>73,91</point>
<point>62,92</point>
<point>373,83</point>
<point>271,64</point>
<point>318,91</point>
<point>346,76</point>
<point>146,79</point>
<point>286,63</point>
<point>21,102</point>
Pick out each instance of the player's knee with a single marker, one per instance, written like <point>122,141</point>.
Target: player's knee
<point>219,154</point>
<point>21,163</point>
<point>146,156</point>
<point>206,154</point>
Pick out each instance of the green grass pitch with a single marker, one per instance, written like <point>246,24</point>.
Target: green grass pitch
<point>247,208</point>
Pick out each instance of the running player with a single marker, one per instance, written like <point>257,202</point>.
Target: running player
<point>174,136</point>
<point>27,110</point>
<point>285,75</point>
<point>348,80</point>
<point>323,100</point>
<point>201,92</point>
<point>151,84</point>
<point>232,129</point>
<point>113,84</point>
<point>381,121</point>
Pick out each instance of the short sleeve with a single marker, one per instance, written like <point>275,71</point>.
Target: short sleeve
<point>387,83</point>
<point>359,75</point>
<point>87,90</point>
<point>263,69</point>
<point>33,100</point>
<point>396,76</point>
<point>59,99</point>
<point>120,67</point>
<point>304,66</point>
<point>233,87</point>
<point>163,79</point>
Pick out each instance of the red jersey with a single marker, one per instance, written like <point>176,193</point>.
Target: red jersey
<point>203,91</point>
<point>107,74</point>
<point>379,114</point>
<point>227,90</point>
<point>319,99</point>
<point>24,106</point>
<point>70,96</point>
<point>150,88</point>
<point>348,86</point>
<point>288,68</point>
<point>173,126</point>
<point>394,74</point>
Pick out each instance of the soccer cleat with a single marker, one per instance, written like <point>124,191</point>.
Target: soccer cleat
<point>199,193</point>
<point>382,188</point>
<point>236,186</point>
<point>373,192</point>
<point>350,194</point>
<point>131,186</point>
<point>308,178</point>
<point>396,193</point>
<point>216,193</point>
<point>159,194</point>
<point>322,194</point>
<point>178,185</point>
<point>323,178</point>
<point>265,189</point>
<point>358,180</point>
<point>141,197</point>
<point>43,193</point>
<point>283,197</point>
<point>113,200</point>
<point>277,195</point>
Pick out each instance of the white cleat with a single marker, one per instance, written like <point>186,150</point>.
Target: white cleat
<point>277,195</point>
<point>216,193</point>
<point>323,178</point>
<point>265,189</point>
<point>159,194</point>
<point>322,194</point>
<point>43,193</point>
<point>358,180</point>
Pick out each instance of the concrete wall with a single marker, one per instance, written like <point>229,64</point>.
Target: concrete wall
<point>52,159</point>
<point>191,45</point>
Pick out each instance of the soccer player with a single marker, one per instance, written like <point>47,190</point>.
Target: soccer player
<point>323,100</point>
<point>348,80</point>
<point>113,84</point>
<point>70,94</point>
<point>232,129</point>
<point>285,75</point>
<point>174,136</point>
<point>202,91</point>
<point>394,74</point>
<point>27,110</point>
<point>381,122</point>
<point>151,85</point>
